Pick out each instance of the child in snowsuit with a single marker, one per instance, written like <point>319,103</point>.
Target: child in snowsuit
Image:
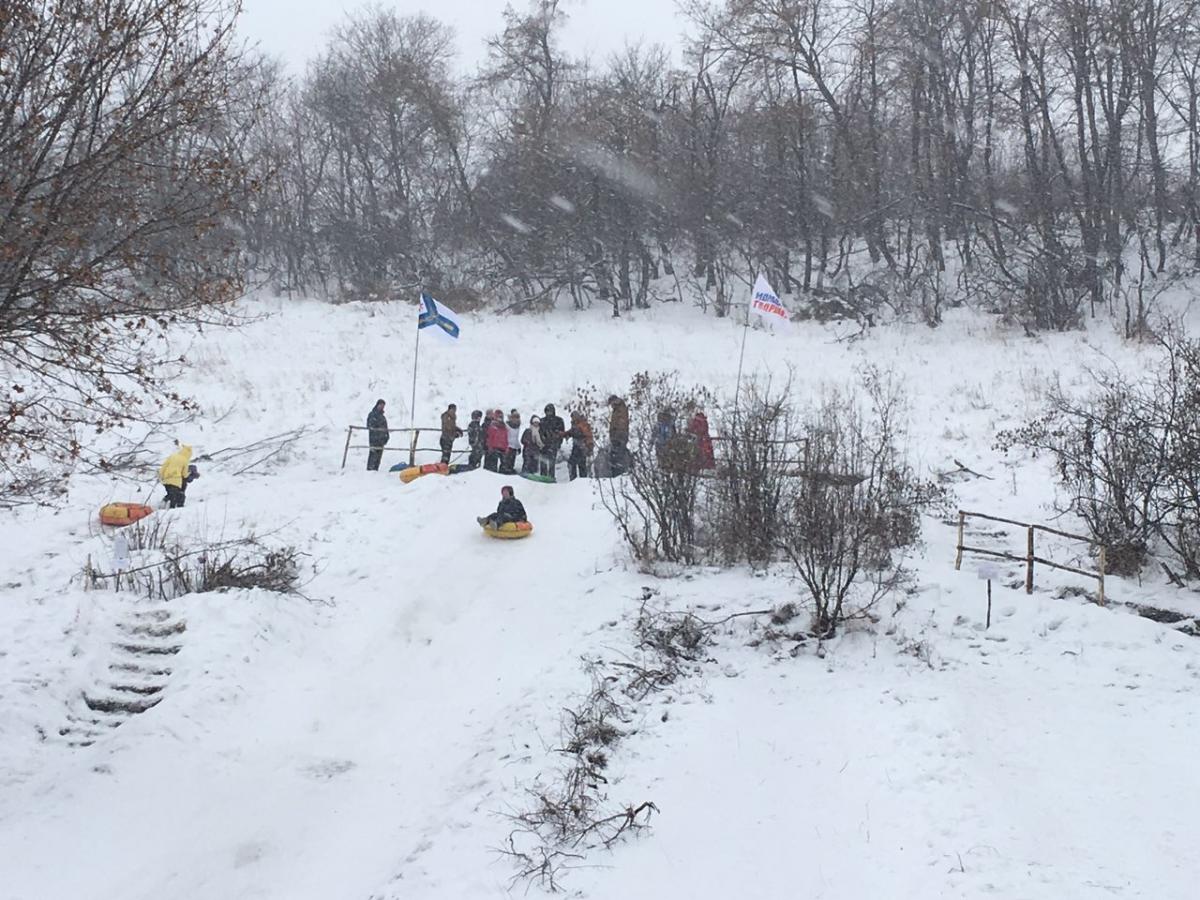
<point>509,510</point>
<point>496,440</point>
<point>475,439</point>
<point>582,445</point>
<point>531,446</point>
<point>509,466</point>
<point>176,473</point>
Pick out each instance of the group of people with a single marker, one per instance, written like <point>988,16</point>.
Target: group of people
<point>500,443</point>
<point>690,450</point>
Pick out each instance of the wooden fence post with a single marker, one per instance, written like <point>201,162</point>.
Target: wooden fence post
<point>1029,563</point>
<point>412,448</point>
<point>1103,565</point>
<point>346,452</point>
<point>962,520</point>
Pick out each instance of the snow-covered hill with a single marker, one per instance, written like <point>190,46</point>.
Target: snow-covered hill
<point>368,742</point>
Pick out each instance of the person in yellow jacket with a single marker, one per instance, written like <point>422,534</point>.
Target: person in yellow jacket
<point>176,473</point>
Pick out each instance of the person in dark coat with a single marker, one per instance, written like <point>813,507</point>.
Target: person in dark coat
<point>531,446</point>
<point>582,445</point>
<point>377,436</point>
<point>618,436</point>
<point>495,438</point>
<point>553,430</point>
<point>475,439</point>
<point>510,510</point>
<point>450,431</point>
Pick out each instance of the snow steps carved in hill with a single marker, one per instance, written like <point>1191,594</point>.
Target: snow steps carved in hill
<point>134,678</point>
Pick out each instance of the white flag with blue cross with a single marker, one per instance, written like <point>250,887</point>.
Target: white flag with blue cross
<point>439,318</point>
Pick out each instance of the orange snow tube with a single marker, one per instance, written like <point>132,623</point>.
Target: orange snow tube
<point>123,513</point>
<point>414,472</point>
<point>509,531</point>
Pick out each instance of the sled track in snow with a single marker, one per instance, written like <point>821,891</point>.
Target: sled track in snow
<point>135,672</point>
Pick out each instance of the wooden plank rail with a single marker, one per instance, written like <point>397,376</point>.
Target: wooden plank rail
<point>1030,558</point>
<point>412,447</point>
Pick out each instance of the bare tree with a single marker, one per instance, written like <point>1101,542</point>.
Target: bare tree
<point>117,181</point>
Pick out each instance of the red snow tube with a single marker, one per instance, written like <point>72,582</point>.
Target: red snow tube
<point>413,472</point>
<point>123,513</point>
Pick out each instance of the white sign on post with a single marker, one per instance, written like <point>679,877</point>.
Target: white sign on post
<point>986,571</point>
<point>120,553</point>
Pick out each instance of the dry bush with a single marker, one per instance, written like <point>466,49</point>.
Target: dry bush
<point>570,814</point>
<point>655,504</point>
<point>855,508</point>
<point>1127,457</point>
<point>761,450</point>
<point>176,568</point>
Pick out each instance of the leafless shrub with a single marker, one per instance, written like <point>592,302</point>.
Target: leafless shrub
<point>173,570</point>
<point>571,814</point>
<point>1127,457</point>
<point>672,636</point>
<point>655,504</point>
<point>760,450</point>
<point>858,505</point>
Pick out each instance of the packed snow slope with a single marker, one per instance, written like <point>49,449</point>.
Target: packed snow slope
<point>367,740</point>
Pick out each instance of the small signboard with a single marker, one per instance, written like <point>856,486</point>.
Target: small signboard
<point>986,571</point>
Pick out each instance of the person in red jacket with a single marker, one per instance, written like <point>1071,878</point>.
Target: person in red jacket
<point>496,442</point>
<point>698,429</point>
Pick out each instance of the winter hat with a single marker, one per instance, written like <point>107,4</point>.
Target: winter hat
<point>507,487</point>
<point>475,413</point>
<point>379,402</point>
<point>549,410</point>
<point>613,398</point>
<point>535,419</point>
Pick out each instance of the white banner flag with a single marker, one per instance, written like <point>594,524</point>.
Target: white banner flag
<point>438,317</point>
<point>765,302</point>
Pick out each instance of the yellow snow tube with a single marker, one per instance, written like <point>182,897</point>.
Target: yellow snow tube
<point>121,514</point>
<point>509,531</point>
<point>414,472</point>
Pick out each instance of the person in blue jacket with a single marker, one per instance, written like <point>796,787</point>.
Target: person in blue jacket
<point>664,433</point>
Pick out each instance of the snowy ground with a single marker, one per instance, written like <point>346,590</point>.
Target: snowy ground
<point>366,743</point>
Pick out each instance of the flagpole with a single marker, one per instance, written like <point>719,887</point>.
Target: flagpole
<point>737,391</point>
<point>412,409</point>
<point>742,355</point>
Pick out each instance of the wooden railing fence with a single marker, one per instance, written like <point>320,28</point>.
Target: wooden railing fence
<point>411,447</point>
<point>1031,557</point>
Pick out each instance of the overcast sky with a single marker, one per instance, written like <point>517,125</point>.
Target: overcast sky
<point>296,30</point>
